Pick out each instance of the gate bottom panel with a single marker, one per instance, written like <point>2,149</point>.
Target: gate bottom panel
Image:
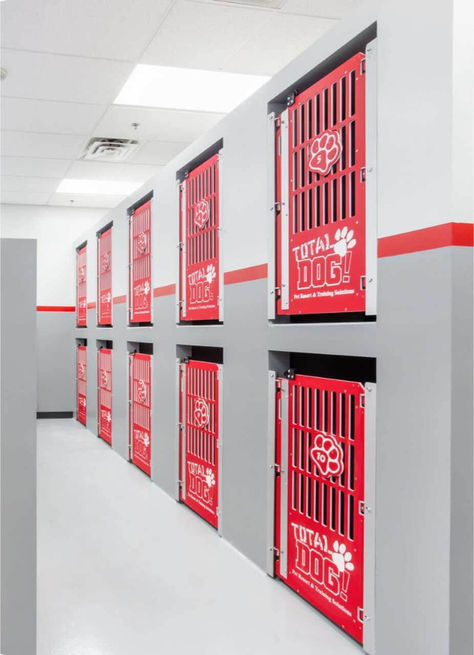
<point>141,449</point>
<point>105,424</point>
<point>81,409</point>
<point>201,488</point>
<point>317,571</point>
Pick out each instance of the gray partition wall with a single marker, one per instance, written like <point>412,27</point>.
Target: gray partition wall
<point>18,447</point>
<point>421,530</point>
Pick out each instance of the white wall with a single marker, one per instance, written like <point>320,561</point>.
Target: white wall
<point>55,228</point>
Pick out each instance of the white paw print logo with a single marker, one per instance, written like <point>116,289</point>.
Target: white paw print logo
<point>141,391</point>
<point>201,413</point>
<point>201,213</point>
<point>344,241</point>
<point>210,478</point>
<point>105,262</point>
<point>146,288</point>
<point>142,242</point>
<point>324,152</point>
<point>108,417</point>
<point>210,273</point>
<point>342,558</point>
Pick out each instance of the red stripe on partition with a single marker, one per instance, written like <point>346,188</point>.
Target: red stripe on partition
<point>246,274</point>
<point>55,308</point>
<point>429,238</point>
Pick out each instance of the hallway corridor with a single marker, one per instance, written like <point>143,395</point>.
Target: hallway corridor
<point>125,570</point>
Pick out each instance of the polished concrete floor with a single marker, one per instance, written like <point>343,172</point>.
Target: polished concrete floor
<point>125,570</point>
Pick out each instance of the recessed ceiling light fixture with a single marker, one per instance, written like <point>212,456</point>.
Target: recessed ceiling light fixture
<point>187,88</point>
<point>98,187</point>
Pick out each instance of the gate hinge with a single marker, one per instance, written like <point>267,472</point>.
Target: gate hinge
<point>278,384</point>
<point>276,468</point>
<point>277,206</point>
<point>362,616</point>
<point>363,174</point>
<point>364,508</point>
<point>275,550</point>
<point>180,484</point>
<point>290,374</point>
<point>362,400</point>
<point>180,246</point>
<point>362,66</point>
<point>277,121</point>
<point>363,283</point>
<point>276,291</point>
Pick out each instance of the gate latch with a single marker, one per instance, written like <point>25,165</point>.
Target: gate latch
<point>362,616</point>
<point>364,508</point>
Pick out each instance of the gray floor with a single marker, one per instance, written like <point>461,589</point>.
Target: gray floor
<point>125,570</point>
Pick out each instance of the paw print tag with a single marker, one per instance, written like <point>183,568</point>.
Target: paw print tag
<point>201,215</point>
<point>324,151</point>
<point>201,413</point>
<point>327,455</point>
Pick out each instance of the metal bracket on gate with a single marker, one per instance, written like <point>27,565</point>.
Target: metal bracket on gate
<point>362,616</point>
<point>276,468</point>
<point>275,550</point>
<point>364,508</point>
<point>290,99</point>
<point>290,374</point>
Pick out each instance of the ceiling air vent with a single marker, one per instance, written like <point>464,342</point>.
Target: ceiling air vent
<point>263,4</point>
<point>102,149</point>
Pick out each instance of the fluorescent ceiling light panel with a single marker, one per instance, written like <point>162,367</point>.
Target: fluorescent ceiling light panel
<point>98,187</point>
<point>187,88</point>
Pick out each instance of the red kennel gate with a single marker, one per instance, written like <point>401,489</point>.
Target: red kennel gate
<point>81,384</point>
<point>104,392</point>
<point>200,416</point>
<point>104,278</point>
<point>140,410</point>
<point>200,284</point>
<point>320,158</point>
<point>81,286</point>
<point>319,494</point>
<point>140,290</point>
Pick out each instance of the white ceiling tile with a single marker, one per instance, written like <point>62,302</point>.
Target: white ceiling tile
<point>114,29</point>
<point>84,200</point>
<point>94,170</point>
<point>29,184</point>
<point>33,144</point>
<point>201,35</point>
<point>34,167</point>
<point>57,77</point>
<point>280,39</point>
<point>157,152</point>
<point>47,116</point>
<point>155,124</point>
<point>24,198</point>
<point>323,8</point>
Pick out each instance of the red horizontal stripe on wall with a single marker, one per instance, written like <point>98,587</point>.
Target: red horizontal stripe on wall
<point>246,274</point>
<point>119,300</point>
<point>91,305</point>
<point>428,238</point>
<point>168,290</point>
<point>55,308</point>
